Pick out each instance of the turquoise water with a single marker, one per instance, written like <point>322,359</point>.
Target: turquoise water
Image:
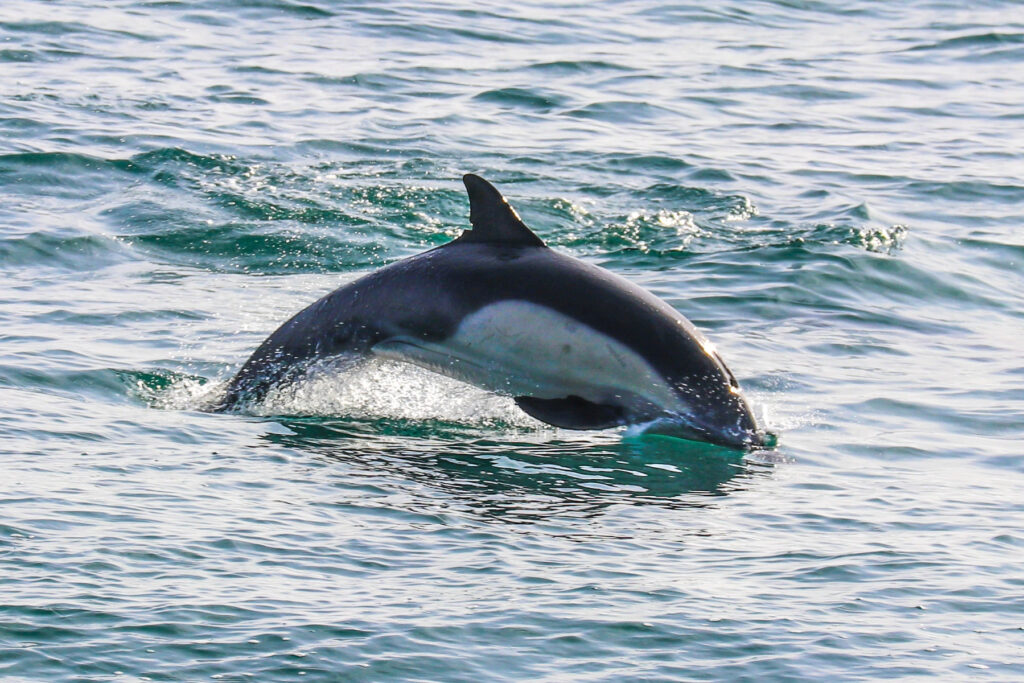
<point>832,191</point>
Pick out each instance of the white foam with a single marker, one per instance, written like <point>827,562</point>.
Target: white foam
<point>379,388</point>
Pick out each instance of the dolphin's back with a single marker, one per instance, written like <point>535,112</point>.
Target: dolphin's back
<point>351,319</point>
<point>426,297</point>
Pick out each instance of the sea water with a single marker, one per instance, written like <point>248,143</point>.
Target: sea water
<point>832,191</point>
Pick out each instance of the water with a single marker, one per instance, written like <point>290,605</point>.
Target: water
<point>832,191</point>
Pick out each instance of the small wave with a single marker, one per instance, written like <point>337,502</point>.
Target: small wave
<point>17,55</point>
<point>648,163</point>
<point>673,219</point>
<point>154,160</point>
<point>65,175</point>
<point>643,230</point>
<point>275,8</point>
<point>619,111</point>
<point>712,223</point>
<point>969,191</point>
<point>565,67</point>
<point>807,93</point>
<point>222,213</point>
<point>521,98</point>
<point>158,388</point>
<point>56,250</point>
<point>975,46</point>
<point>878,239</point>
<point>60,29</point>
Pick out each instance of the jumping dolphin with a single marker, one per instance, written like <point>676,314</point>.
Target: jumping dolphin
<point>575,345</point>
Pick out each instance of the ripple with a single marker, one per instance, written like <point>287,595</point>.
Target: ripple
<point>66,252</point>
<point>623,111</point>
<point>521,97</point>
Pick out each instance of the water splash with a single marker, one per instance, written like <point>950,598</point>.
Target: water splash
<point>379,388</point>
<point>371,389</point>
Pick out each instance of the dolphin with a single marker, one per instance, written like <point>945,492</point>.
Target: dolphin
<point>575,345</point>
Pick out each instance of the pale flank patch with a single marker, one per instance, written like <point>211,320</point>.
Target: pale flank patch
<point>520,348</point>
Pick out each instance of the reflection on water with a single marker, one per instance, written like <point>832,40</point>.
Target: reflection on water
<point>478,449</point>
<point>528,477</point>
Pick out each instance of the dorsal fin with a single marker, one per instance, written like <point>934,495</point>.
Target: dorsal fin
<point>494,221</point>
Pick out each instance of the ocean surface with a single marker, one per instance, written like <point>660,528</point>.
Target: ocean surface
<point>832,191</point>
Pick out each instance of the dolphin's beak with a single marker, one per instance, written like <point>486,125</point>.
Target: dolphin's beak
<point>727,422</point>
<point>734,425</point>
<point>726,438</point>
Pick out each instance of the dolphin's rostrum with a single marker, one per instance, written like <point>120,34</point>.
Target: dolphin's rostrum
<point>576,345</point>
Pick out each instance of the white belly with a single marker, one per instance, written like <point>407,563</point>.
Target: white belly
<point>518,348</point>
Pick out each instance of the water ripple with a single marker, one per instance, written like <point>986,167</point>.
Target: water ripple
<point>832,192</point>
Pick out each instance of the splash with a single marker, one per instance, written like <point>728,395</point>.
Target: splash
<point>883,240</point>
<point>660,230</point>
<point>379,388</point>
<point>175,391</point>
<point>370,389</point>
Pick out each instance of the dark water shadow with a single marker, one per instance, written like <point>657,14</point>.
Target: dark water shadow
<point>523,477</point>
